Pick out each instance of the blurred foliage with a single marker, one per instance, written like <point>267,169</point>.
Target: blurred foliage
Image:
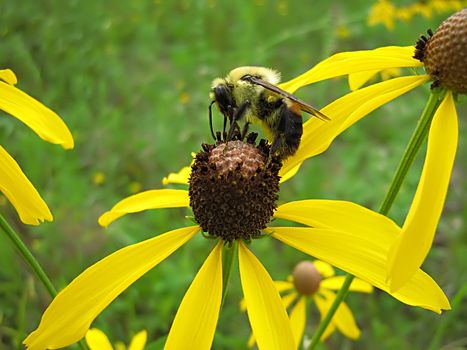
<point>131,79</point>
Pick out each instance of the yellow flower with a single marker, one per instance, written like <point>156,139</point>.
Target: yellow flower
<point>97,340</point>
<point>180,177</point>
<point>98,178</point>
<point>386,13</point>
<point>47,125</point>
<point>316,281</point>
<point>411,247</point>
<point>382,12</point>
<point>364,240</point>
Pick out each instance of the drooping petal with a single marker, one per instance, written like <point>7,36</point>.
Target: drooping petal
<point>323,306</point>
<point>97,340</point>
<point>8,76</point>
<point>344,112</point>
<point>298,320</point>
<point>87,295</point>
<point>324,269</point>
<point>412,246</point>
<point>343,318</point>
<point>139,341</point>
<point>267,315</point>
<point>152,199</point>
<point>42,120</point>
<point>197,315</point>
<point>363,253</point>
<point>345,63</point>
<point>337,215</point>
<point>357,285</point>
<point>31,208</point>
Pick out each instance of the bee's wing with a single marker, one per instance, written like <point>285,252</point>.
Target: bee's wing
<point>305,107</point>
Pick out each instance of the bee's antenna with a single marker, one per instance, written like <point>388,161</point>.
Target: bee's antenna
<point>210,120</point>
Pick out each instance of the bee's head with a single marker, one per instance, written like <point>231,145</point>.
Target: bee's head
<point>221,94</point>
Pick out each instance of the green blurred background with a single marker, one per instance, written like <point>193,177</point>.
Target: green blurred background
<point>131,80</point>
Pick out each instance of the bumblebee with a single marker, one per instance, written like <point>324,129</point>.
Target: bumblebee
<point>251,94</point>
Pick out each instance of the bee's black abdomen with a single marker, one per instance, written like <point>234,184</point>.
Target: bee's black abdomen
<point>289,132</point>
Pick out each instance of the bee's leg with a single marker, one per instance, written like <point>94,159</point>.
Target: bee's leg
<point>245,130</point>
<point>239,112</point>
<point>225,125</point>
<point>210,120</point>
<point>273,151</point>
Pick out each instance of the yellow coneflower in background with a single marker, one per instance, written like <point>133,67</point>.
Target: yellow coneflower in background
<point>316,281</point>
<point>31,208</point>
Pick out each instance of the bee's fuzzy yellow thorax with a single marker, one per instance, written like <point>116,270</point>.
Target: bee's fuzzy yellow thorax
<point>266,74</point>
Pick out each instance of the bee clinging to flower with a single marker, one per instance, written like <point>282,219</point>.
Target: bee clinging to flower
<point>251,94</point>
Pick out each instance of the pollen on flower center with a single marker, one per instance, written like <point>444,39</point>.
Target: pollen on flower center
<point>233,189</point>
<point>306,278</point>
<point>444,53</point>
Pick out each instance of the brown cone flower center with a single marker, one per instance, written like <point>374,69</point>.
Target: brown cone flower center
<point>444,53</point>
<point>306,278</point>
<point>234,189</point>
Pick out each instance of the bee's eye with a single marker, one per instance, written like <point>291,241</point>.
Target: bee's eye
<point>223,97</point>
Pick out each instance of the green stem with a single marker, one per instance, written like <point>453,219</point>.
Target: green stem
<point>27,256</point>
<point>228,254</point>
<point>32,262</point>
<point>417,139</point>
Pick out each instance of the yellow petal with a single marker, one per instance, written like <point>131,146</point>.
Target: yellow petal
<point>290,173</point>
<point>288,299</point>
<point>344,112</point>
<point>335,283</point>
<point>20,192</point>
<point>8,76</point>
<point>345,63</point>
<point>196,320</point>
<point>153,199</point>
<point>343,318</point>
<point>42,120</point>
<point>97,340</point>
<point>356,80</point>
<point>298,320</point>
<point>87,295</point>
<point>268,318</point>
<point>324,214</point>
<point>412,246</point>
<point>282,286</point>
<point>181,177</point>
<point>363,253</point>
<point>324,269</point>
<point>139,341</point>
<point>251,341</point>
<point>323,306</point>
